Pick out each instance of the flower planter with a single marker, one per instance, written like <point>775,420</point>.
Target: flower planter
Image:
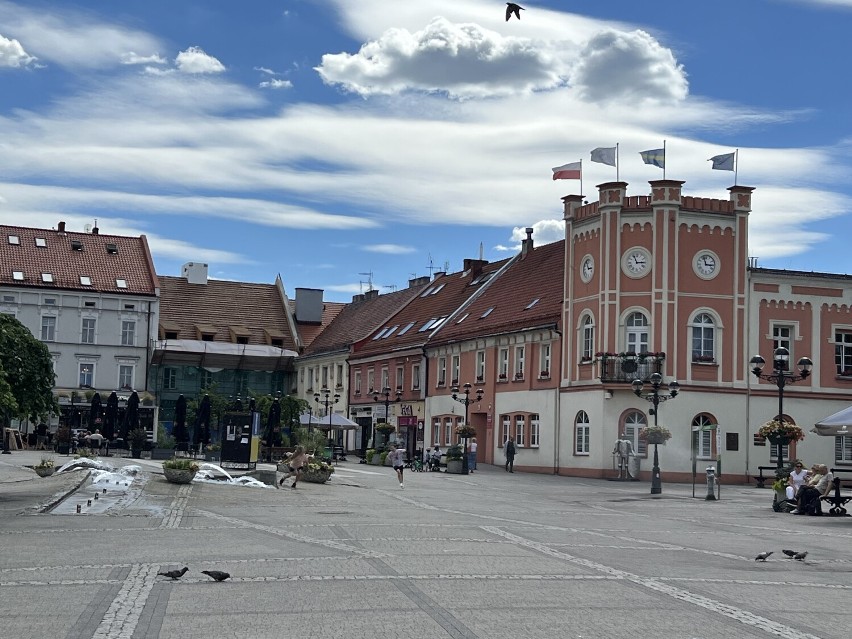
<point>656,438</point>
<point>779,440</point>
<point>316,476</point>
<point>44,471</point>
<point>454,466</point>
<point>178,475</point>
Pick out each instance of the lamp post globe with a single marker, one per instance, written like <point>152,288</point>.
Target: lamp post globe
<point>656,398</point>
<point>466,401</point>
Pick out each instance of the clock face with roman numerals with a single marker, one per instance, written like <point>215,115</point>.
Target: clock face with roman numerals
<point>706,264</point>
<point>636,262</point>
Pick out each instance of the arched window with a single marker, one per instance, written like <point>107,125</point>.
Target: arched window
<point>587,347</point>
<point>581,433</point>
<point>703,338</point>
<point>703,432</point>
<point>635,421</point>
<point>637,333</point>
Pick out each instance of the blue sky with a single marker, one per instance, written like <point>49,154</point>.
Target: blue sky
<point>327,139</point>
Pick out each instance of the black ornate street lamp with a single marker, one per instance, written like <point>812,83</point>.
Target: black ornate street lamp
<point>656,399</point>
<point>387,393</point>
<point>781,377</point>
<point>466,401</point>
<point>328,400</point>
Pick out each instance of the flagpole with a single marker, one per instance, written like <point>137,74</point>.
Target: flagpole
<point>616,162</point>
<point>664,159</point>
<point>736,164</point>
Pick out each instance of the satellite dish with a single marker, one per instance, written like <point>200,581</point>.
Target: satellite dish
<point>87,228</point>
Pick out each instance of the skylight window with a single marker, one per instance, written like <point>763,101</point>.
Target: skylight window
<point>76,245</point>
<point>428,325</point>
<point>14,239</point>
<point>121,283</point>
<point>18,275</point>
<point>533,303</point>
<point>380,334</point>
<point>486,313</point>
<point>437,288</point>
<point>405,330</point>
<point>462,318</point>
<point>47,278</point>
<point>40,242</point>
<point>111,248</point>
<point>438,322</point>
<point>426,292</point>
<point>482,278</point>
<point>390,332</point>
<point>85,280</point>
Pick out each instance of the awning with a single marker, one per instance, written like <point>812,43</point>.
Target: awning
<point>834,425</point>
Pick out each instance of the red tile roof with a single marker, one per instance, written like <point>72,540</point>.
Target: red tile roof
<point>442,296</point>
<point>102,258</point>
<point>537,275</point>
<point>309,332</point>
<point>361,318</point>
<point>226,307</point>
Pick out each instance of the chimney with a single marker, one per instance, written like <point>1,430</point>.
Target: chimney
<point>95,228</point>
<point>60,228</point>
<point>309,305</point>
<point>358,298</point>
<point>194,272</point>
<point>527,244</point>
<point>418,281</point>
<point>371,294</point>
<point>474,266</point>
<point>438,274</point>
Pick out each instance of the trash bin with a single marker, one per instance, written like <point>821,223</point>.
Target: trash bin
<point>633,467</point>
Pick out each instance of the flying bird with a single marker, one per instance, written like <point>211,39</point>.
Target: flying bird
<point>511,8</point>
<point>800,555</point>
<point>763,556</point>
<point>174,574</point>
<point>790,553</point>
<point>218,575</point>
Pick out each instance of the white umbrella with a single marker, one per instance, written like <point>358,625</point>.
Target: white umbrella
<point>834,425</point>
<point>336,422</point>
<point>306,419</point>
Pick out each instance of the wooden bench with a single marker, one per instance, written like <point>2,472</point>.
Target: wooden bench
<point>836,498</point>
<point>761,479</point>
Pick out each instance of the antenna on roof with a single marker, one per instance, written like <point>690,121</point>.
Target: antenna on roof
<point>481,252</point>
<point>431,266</point>
<point>369,281</point>
<point>447,266</point>
<point>87,228</point>
<point>392,287</point>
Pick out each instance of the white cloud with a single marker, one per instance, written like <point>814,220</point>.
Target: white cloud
<point>70,38</point>
<point>390,249</point>
<point>465,60</point>
<point>265,70</point>
<point>195,60</point>
<point>616,66</point>
<point>276,83</point>
<point>12,54</point>
<point>544,232</point>
<point>131,57</point>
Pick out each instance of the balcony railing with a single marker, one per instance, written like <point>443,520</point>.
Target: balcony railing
<point>619,367</point>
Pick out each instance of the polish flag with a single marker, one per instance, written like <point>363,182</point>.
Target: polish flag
<point>571,171</point>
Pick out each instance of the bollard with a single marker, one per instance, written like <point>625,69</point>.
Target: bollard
<point>96,496</point>
<point>711,484</point>
<point>88,503</point>
<point>78,508</point>
<point>104,491</point>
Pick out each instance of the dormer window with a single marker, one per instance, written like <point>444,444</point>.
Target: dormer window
<point>76,245</point>
<point>242,339</point>
<point>121,283</point>
<point>18,275</point>
<point>41,242</point>
<point>170,335</point>
<point>111,248</point>
<point>207,337</point>
<point>14,239</point>
<point>47,278</point>
<point>277,342</point>
<point>85,280</point>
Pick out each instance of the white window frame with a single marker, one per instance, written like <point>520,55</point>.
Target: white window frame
<point>520,361</point>
<point>86,374</point>
<point>842,348</point>
<point>91,332</point>
<point>128,332</point>
<point>637,336</point>
<point>535,430</point>
<point>339,377</point>
<point>843,449</point>
<point>587,338</point>
<point>169,378</point>
<point>703,439</point>
<point>442,372</point>
<point>582,430</point>
<point>48,328</point>
<point>324,377</point>
<point>371,380</point>
<point>545,355</point>
<point>635,421</point>
<point>505,428</point>
<point>520,430</point>
<point>400,377</point>
<point>415,377</point>
<point>456,366</point>
<point>703,337</point>
<point>436,431</point>
<point>448,431</point>
<point>126,374</point>
<point>357,381</point>
<point>480,366</point>
<point>503,363</point>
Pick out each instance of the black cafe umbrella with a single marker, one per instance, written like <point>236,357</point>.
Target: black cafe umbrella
<point>273,423</point>
<point>95,411</point>
<point>180,433</point>
<point>201,429</point>
<point>131,416</point>
<point>110,416</point>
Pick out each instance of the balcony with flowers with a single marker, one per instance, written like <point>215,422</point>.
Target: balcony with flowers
<point>626,366</point>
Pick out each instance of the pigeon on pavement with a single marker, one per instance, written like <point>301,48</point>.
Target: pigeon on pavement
<point>511,8</point>
<point>790,553</point>
<point>763,556</point>
<point>800,555</point>
<point>174,574</point>
<point>218,575</point>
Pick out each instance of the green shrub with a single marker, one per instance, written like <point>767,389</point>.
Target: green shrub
<point>181,463</point>
<point>383,456</point>
<point>370,453</point>
<point>454,452</point>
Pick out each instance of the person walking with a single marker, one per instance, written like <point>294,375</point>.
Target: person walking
<point>397,456</point>
<point>471,457</point>
<point>41,436</point>
<point>297,460</point>
<point>509,449</point>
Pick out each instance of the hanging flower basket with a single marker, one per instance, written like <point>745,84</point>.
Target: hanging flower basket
<point>466,431</point>
<point>384,428</point>
<point>655,434</point>
<point>780,432</point>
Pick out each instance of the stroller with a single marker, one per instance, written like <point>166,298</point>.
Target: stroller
<point>435,461</point>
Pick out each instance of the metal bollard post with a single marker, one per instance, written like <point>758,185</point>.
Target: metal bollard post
<point>78,508</point>
<point>711,484</point>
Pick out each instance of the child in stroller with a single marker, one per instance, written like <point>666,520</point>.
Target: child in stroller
<point>435,459</point>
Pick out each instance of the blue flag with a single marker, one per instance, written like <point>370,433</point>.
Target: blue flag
<point>657,157</point>
<point>604,155</point>
<point>723,162</point>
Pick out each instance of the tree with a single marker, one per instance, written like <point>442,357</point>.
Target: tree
<point>26,368</point>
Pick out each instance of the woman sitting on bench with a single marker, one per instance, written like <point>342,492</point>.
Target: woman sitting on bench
<point>820,483</point>
<point>797,477</point>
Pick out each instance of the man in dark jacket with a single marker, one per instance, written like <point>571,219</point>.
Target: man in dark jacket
<point>510,455</point>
